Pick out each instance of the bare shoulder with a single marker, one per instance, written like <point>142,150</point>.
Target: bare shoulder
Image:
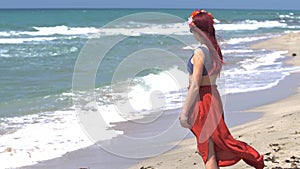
<point>199,55</point>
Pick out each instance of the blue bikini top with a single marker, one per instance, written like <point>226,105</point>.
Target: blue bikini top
<point>207,62</point>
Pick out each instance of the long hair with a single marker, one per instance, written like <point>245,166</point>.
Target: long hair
<point>204,21</point>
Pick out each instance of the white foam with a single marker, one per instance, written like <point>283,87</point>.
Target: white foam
<point>287,32</point>
<point>157,29</point>
<point>228,51</point>
<point>246,39</point>
<point>190,47</point>
<point>258,61</point>
<point>158,91</point>
<point>144,95</point>
<point>4,34</point>
<point>294,27</point>
<point>139,29</point>
<point>62,30</point>
<point>182,29</point>
<point>22,40</point>
<point>51,31</point>
<point>216,20</point>
<point>247,88</point>
<point>40,137</point>
<point>248,83</point>
<point>257,73</point>
<point>289,16</point>
<point>3,51</point>
<point>250,25</point>
<point>178,28</point>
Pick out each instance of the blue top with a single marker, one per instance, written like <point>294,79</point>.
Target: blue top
<point>207,62</point>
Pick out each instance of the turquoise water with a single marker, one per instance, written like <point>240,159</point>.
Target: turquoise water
<point>39,49</point>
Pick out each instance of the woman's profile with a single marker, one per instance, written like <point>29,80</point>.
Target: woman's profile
<point>202,112</point>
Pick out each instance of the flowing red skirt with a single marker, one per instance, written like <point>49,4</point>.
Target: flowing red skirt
<point>209,123</point>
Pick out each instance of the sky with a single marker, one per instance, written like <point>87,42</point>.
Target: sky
<point>203,4</point>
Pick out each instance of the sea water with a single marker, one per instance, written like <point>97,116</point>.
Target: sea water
<point>39,50</point>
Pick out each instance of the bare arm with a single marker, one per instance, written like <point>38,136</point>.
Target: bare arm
<point>187,116</point>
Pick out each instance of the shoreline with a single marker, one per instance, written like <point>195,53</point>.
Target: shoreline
<point>275,134</point>
<point>95,157</point>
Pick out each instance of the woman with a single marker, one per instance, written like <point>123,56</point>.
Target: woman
<point>203,110</point>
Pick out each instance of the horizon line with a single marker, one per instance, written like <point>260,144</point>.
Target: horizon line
<point>135,8</point>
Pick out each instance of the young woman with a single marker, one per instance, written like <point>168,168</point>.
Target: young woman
<point>202,112</point>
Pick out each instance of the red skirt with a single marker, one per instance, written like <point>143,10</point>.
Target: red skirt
<point>210,123</point>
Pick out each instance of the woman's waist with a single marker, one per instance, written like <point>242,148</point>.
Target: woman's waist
<point>208,81</point>
<point>207,87</point>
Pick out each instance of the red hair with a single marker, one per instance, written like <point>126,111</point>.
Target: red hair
<point>204,21</point>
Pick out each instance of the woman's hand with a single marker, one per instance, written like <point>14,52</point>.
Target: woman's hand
<point>184,121</point>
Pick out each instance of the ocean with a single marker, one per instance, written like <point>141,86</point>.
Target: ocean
<point>143,64</point>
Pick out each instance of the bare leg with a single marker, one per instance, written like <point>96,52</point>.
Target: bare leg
<point>211,162</point>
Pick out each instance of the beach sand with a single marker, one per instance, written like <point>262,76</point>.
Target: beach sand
<point>276,134</point>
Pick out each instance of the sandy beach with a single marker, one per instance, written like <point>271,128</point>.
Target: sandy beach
<point>276,134</point>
